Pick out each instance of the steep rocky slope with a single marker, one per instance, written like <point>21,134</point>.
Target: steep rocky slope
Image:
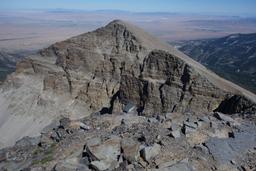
<point>8,59</point>
<point>104,70</point>
<point>233,57</point>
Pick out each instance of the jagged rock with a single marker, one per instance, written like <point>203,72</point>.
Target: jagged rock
<point>175,134</point>
<point>150,152</point>
<point>237,104</point>
<point>193,125</point>
<point>152,120</point>
<point>225,118</point>
<point>160,118</point>
<point>107,151</point>
<point>61,133</point>
<point>129,108</point>
<point>104,155</point>
<point>130,149</point>
<point>160,72</point>
<point>71,164</point>
<point>101,165</point>
<point>79,125</point>
<point>189,127</point>
<point>204,119</point>
<point>169,116</point>
<point>84,126</point>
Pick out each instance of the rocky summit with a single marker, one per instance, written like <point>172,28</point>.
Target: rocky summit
<point>119,99</point>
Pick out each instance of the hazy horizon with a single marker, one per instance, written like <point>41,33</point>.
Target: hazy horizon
<point>217,7</point>
<point>30,24</point>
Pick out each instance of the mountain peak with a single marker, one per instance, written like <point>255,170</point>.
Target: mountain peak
<point>117,21</point>
<point>104,70</point>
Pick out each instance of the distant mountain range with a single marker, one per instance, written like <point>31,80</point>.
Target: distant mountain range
<point>232,57</point>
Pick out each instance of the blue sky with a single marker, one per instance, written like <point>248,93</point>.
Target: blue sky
<point>235,7</point>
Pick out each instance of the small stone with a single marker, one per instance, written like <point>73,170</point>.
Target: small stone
<point>202,148</point>
<point>175,134</point>
<point>160,118</point>
<point>129,108</point>
<point>191,124</point>
<point>233,162</point>
<point>167,124</point>
<point>85,160</point>
<point>100,165</point>
<point>204,119</point>
<point>55,136</point>
<point>174,127</point>
<point>166,164</point>
<point>93,141</point>
<point>130,167</point>
<point>189,127</point>
<point>213,125</point>
<point>225,118</point>
<point>61,133</point>
<point>152,120</point>
<point>130,149</point>
<point>168,116</point>
<point>84,127</point>
<point>150,152</point>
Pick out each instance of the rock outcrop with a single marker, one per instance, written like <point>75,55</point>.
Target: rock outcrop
<point>103,71</point>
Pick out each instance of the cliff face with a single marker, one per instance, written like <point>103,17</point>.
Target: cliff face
<point>106,69</point>
<point>168,84</point>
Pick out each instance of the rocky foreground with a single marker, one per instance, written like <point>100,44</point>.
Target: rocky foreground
<point>127,141</point>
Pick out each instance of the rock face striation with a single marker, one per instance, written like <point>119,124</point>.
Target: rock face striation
<point>103,71</point>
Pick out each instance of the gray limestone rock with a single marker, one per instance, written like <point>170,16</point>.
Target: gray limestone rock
<point>224,150</point>
<point>130,149</point>
<point>107,151</point>
<point>150,152</point>
<point>175,134</point>
<point>179,167</point>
